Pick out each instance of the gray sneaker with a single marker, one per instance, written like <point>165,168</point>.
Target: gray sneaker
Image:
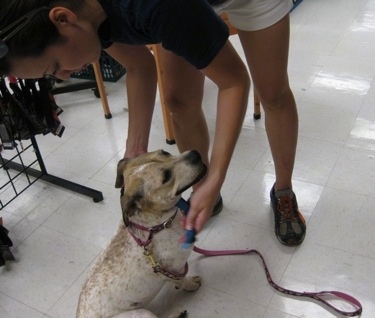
<point>290,226</point>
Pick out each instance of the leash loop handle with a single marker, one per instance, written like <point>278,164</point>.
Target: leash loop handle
<point>319,296</point>
<point>341,296</point>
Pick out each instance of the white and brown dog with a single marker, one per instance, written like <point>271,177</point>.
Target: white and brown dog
<point>145,251</point>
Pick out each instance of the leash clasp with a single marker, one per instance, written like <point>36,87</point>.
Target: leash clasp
<point>150,255</point>
<point>168,224</point>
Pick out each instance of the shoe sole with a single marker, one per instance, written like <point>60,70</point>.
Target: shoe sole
<point>218,207</point>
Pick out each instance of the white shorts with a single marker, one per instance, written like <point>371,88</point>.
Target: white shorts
<point>253,15</point>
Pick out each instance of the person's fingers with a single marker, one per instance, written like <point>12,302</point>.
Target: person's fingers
<point>200,221</point>
<point>190,220</point>
<point>196,219</point>
<point>201,205</point>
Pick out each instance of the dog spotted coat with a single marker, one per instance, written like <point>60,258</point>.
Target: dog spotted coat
<point>122,282</point>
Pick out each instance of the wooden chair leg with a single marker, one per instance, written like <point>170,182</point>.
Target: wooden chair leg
<point>257,112</point>
<point>100,85</point>
<point>167,117</point>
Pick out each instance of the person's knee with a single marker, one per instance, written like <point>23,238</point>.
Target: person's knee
<point>174,102</point>
<point>181,104</point>
<point>275,99</point>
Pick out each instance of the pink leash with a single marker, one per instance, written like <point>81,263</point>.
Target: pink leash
<point>319,296</point>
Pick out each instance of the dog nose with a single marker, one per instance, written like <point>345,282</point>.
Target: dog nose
<point>194,157</point>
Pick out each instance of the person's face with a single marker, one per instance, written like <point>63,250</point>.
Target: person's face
<point>59,60</point>
<point>80,47</point>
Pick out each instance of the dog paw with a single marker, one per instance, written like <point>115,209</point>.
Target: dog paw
<point>191,283</point>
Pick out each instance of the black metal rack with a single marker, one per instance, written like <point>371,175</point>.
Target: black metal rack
<point>21,174</point>
<point>28,112</point>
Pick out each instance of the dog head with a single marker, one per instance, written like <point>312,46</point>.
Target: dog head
<point>154,181</point>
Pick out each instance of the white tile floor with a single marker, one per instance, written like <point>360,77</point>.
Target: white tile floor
<point>57,233</point>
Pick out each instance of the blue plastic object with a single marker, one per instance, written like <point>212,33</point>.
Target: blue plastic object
<point>189,237</point>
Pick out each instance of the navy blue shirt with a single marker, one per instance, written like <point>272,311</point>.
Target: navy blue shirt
<point>188,28</point>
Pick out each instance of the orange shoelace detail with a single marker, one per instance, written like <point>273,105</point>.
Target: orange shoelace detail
<point>285,208</point>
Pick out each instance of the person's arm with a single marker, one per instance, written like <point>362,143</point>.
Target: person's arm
<point>231,76</point>
<point>141,84</point>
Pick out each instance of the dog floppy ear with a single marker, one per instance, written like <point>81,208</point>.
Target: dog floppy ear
<point>120,169</point>
<point>131,199</point>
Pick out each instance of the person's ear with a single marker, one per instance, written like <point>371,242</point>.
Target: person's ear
<point>61,16</point>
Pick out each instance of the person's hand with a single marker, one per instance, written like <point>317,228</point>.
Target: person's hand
<point>201,206</point>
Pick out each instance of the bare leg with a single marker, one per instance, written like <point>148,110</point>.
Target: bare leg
<point>183,90</point>
<point>267,56</point>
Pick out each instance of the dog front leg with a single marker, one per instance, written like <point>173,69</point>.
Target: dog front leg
<point>190,284</point>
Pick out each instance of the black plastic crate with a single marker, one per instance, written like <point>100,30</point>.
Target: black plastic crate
<point>111,70</point>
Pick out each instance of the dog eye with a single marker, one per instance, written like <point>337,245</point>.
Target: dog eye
<point>167,175</point>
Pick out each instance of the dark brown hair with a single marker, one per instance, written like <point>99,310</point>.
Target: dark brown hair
<point>39,33</point>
